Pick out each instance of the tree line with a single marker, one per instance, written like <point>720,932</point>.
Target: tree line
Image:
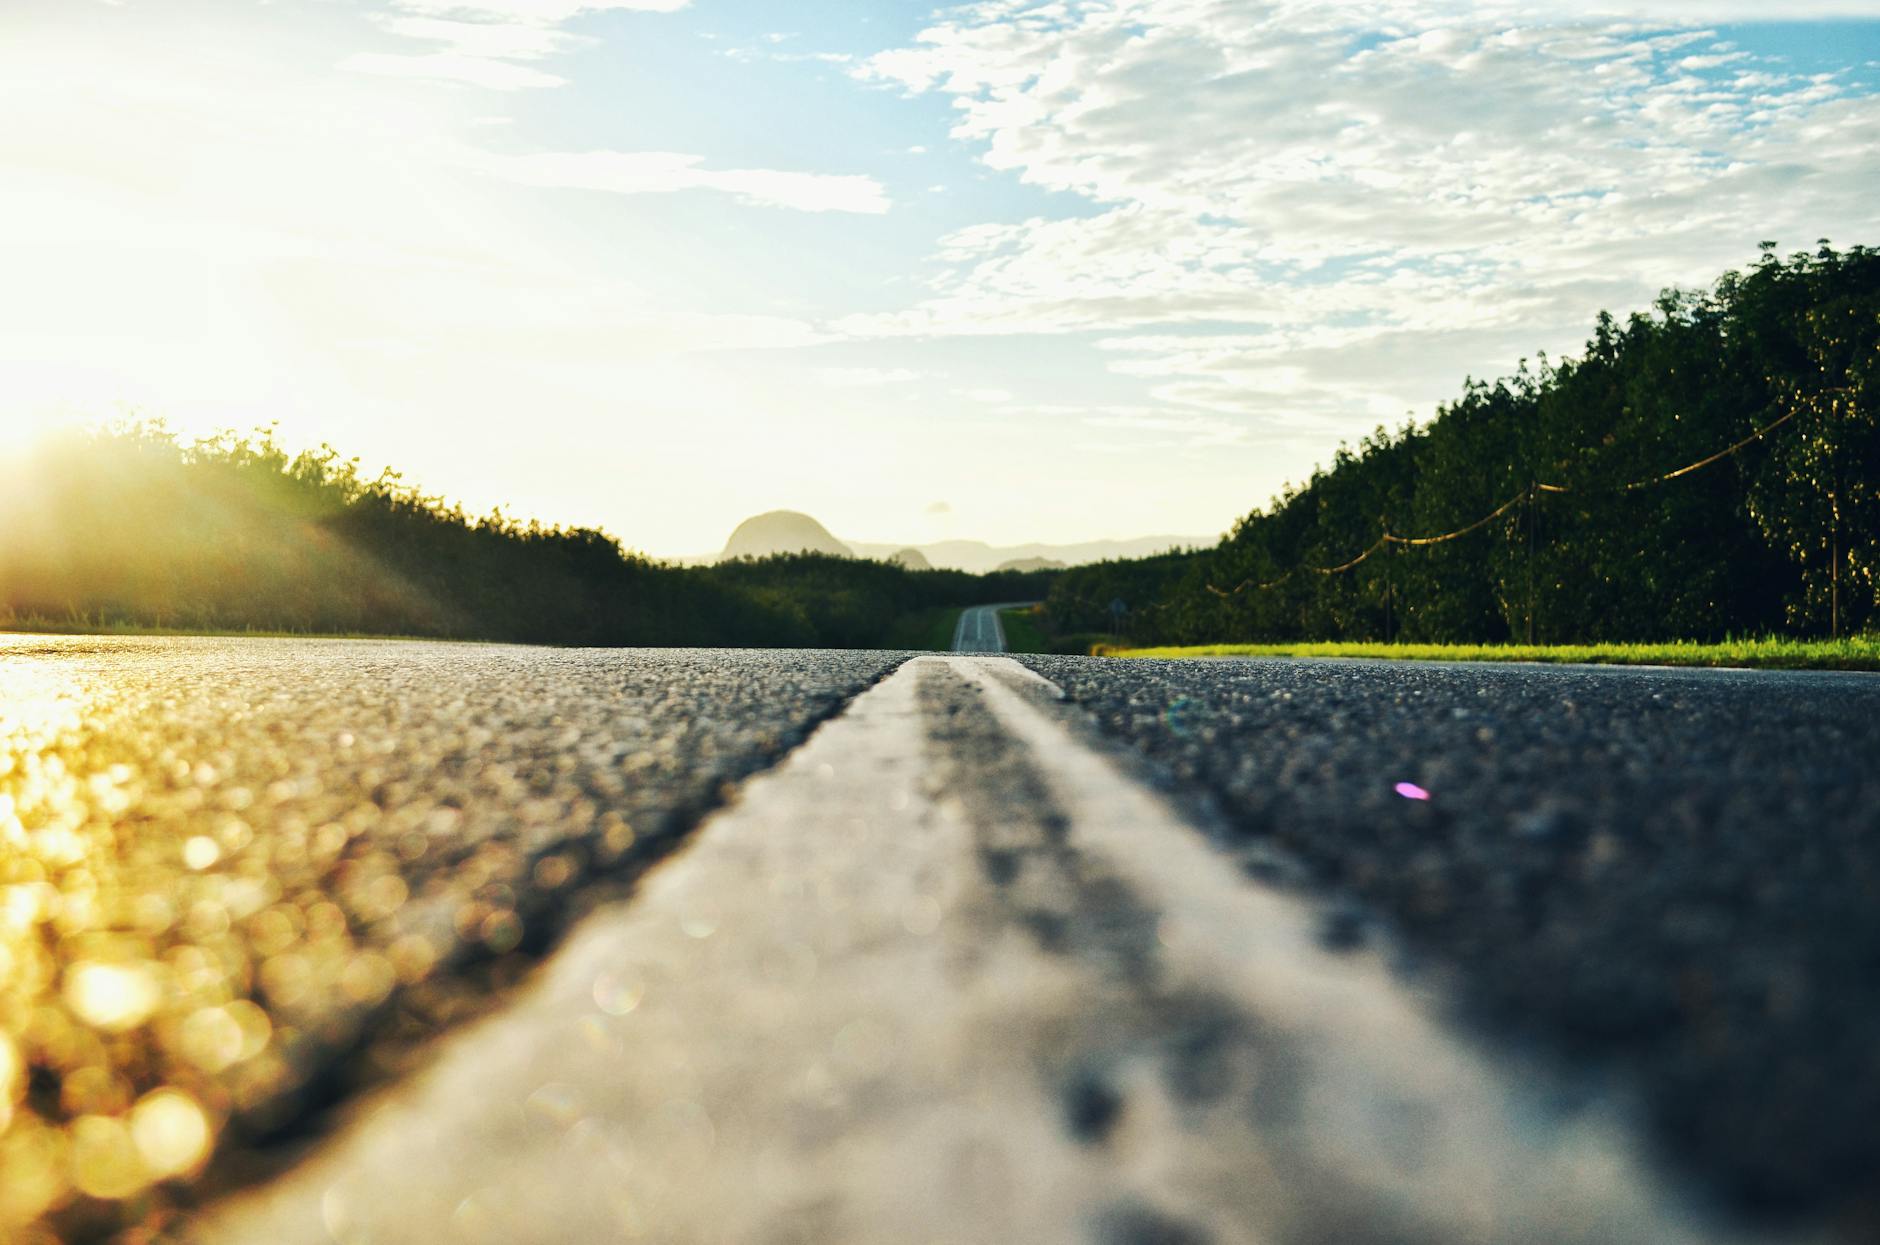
<point>130,526</point>
<point>1595,530</point>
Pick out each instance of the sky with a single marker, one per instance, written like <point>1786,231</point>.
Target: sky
<point>1012,270</point>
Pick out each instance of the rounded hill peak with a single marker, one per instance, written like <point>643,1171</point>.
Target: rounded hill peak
<point>782,531</point>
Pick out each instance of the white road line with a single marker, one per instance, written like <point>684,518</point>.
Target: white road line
<point>1488,1165</point>
<point>827,1021</point>
<point>979,629</point>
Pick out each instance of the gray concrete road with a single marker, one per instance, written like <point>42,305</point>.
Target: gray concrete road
<point>1201,952</point>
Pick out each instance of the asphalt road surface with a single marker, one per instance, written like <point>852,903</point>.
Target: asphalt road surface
<point>1669,879</point>
<point>244,874</point>
<point>979,630</point>
<point>1070,950</point>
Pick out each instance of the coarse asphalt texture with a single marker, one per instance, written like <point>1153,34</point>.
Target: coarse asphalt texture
<point>1669,877</point>
<point>235,869</point>
<point>949,974</point>
<point>243,875</point>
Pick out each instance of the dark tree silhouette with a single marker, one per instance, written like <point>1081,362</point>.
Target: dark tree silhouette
<point>1781,535</point>
<point>129,526</point>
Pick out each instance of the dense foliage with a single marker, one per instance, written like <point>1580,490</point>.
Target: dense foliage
<point>129,526</point>
<point>1781,536</point>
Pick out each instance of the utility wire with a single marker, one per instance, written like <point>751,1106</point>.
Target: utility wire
<point>1484,521</point>
<point>1699,465</point>
<point>1392,538</point>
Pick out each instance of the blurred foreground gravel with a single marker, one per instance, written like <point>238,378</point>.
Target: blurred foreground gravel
<point>1670,874</point>
<point>231,871</point>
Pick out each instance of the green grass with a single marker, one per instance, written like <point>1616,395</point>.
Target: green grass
<point>1860,653</point>
<point>1022,632</point>
<point>930,630</point>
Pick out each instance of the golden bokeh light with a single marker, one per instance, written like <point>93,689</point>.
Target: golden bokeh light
<point>113,997</point>
<point>125,1030</point>
<point>171,1132</point>
<point>211,1039</point>
<point>12,1079</point>
<point>105,1161</point>
<point>200,851</point>
<point>194,928</point>
<point>33,1157</point>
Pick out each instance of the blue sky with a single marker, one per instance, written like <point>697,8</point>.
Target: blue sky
<point>1012,270</point>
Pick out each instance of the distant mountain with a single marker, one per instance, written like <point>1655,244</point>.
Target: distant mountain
<point>782,531</point>
<point>978,557</point>
<point>789,531</point>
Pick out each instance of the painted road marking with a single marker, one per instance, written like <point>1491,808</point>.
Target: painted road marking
<point>947,974</point>
<point>979,630</point>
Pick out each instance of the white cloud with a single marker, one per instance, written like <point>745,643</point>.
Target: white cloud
<point>992,396</point>
<point>551,12</point>
<point>1371,198</point>
<point>1688,11</point>
<point>498,40</point>
<point>483,41</point>
<point>495,75</point>
<point>866,377</point>
<point>661,172</point>
<point>751,55</point>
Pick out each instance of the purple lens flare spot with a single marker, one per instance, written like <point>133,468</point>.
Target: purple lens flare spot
<point>1410,791</point>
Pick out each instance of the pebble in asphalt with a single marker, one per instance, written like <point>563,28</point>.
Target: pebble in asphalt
<point>1672,875</point>
<point>232,868</point>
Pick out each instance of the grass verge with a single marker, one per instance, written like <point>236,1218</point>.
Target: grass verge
<point>925,630</point>
<point>1859,653</point>
<point>1022,632</point>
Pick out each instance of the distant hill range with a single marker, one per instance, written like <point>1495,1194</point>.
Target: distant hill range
<point>788,531</point>
<point>978,557</point>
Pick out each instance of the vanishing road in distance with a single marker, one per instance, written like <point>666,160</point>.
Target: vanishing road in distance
<point>390,942</point>
<point>979,629</point>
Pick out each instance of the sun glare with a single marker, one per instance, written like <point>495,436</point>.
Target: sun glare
<point>23,434</point>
